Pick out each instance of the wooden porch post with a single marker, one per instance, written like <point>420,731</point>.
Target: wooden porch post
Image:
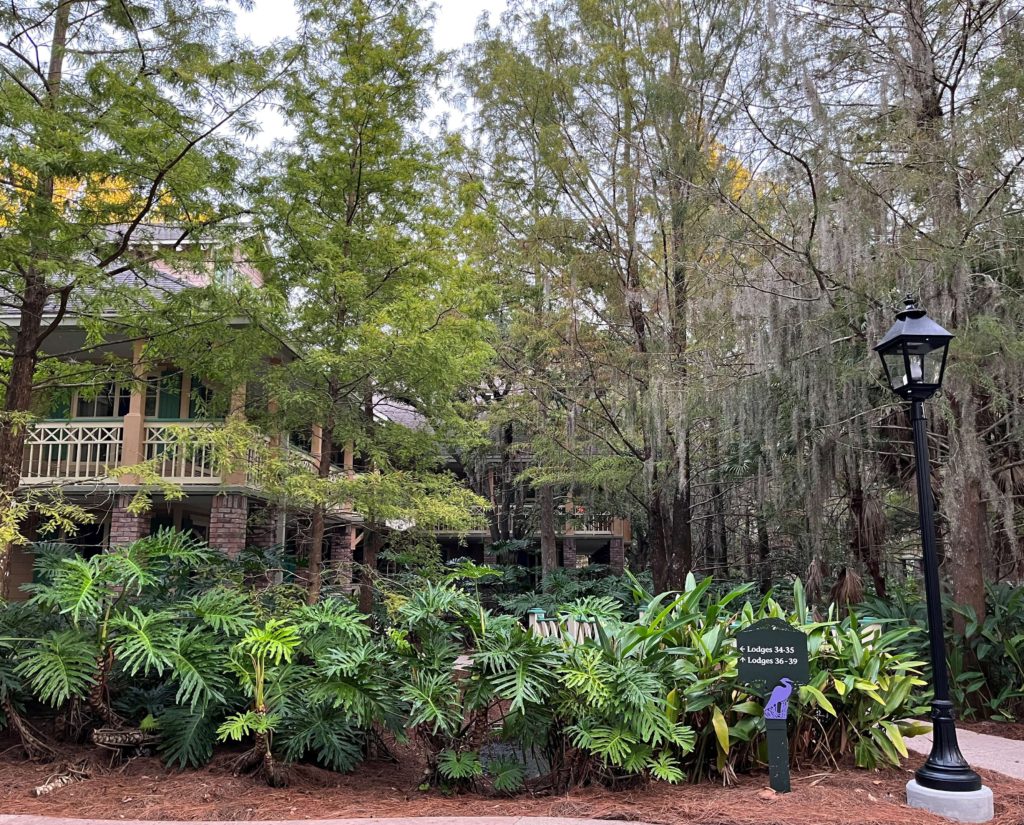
<point>133,446</point>
<point>239,476</point>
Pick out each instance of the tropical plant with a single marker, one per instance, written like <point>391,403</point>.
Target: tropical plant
<point>263,648</point>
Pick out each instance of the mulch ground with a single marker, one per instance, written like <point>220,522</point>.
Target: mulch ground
<point>144,789</point>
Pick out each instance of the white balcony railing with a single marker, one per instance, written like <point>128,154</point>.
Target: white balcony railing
<point>71,451</point>
<point>587,522</point>
<point>82,450</point>
<point>176,459</point>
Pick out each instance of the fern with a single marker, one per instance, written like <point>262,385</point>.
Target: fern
<point>665,766</point>
<point>73,587</point>
<point>590,608</point>
<point>273,643</point>
<point>434,702</point>
<point>340,617</point>
<point>240,725</point>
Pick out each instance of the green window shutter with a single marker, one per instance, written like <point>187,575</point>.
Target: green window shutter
<point>60,405</point>
<point>169,401</point>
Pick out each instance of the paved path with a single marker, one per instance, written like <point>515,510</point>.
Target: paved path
<point>994,753</point>
<point>8,819</point>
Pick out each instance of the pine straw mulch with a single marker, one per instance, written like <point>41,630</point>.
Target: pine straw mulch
<point>144,789</point>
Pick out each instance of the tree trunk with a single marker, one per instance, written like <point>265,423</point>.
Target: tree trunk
<point>964,554</point>
<point>721,534</point>
<point>507,488</point>
<point>17,401</point>
<point>548,538</point>
<point>764,572</point>
<point>659,543</point>
<point>681,544</point>
<point>371,545</point>
<point>30,334</point>
<point>867,536</point>
<point>318,524</point>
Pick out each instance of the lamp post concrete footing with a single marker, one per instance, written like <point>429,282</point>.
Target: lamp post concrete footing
<point>961,806</point>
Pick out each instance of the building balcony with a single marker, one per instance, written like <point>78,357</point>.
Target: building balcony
<point>90,451</point>
<point>583,525</point>
<point>59,452</point>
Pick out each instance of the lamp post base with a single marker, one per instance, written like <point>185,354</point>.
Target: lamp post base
<point>946,769</point>
<point>961,806</point>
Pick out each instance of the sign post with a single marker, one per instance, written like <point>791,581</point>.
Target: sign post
<point>773,656</point>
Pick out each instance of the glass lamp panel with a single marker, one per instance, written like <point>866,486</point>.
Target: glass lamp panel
<point>895,368</point>
<point>933,366</point>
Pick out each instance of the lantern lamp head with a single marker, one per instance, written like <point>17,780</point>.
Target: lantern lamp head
<point>913,353</point>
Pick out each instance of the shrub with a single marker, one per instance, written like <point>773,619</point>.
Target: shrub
<point>166,636</point>
<point>986,661</point>
<point>157,630</point>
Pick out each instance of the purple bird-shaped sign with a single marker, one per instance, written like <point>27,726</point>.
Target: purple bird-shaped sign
<point>777,706</point>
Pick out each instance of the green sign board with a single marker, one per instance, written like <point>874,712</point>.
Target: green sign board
<point>771,650</point>
<point>773,662</point>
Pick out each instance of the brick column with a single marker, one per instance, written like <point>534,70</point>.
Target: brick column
<point>490,556</point>
<point>228,517</point>
<point>617,555</point>
<point>569,552</point>
<point>342,546</point>
<point>261,526</point>
<point>126,527</point>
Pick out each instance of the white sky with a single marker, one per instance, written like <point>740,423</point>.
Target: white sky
<point>455,24</point>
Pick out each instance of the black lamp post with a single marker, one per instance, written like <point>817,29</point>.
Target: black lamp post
<point>913,354</point>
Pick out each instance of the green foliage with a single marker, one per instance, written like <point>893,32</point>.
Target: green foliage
<point>562,587</point>
<point>985,660</point>
<point>116,125</point>
<point>197,660</point>
<point>187,736</point>
<point>59,667</point>
<point>179,642</point>
<point>506,775</point>
<point>324,732</point>
<point>367,234</point>
<point>459,766</point>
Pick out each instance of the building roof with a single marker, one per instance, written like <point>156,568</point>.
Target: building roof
<point>398,412</point>
<point>152,274</point>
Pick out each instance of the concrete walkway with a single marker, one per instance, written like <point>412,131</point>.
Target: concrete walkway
<point>994,753</point>
<point>10,819</point>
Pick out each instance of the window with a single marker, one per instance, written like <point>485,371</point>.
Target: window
<point>200,400</point>
<point>163,395</point>
<point>303,439</point>
<point>111,401</point>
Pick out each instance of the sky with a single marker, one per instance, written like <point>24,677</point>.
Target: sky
<point>455,23</point>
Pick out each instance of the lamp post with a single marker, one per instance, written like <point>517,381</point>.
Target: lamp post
<point>913,354</point>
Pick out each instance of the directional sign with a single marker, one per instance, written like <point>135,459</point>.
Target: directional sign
<point>773,661</point>
<point>771,650</point>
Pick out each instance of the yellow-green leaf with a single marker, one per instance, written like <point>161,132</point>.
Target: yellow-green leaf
<point>721,729</point>
<point>819,698</point>
<point>672,706</point>
<point>895,737</point>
